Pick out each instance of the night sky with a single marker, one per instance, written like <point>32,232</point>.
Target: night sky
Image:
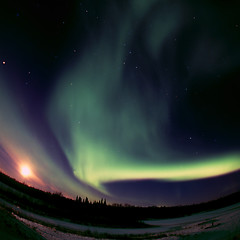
<point>136,101</point>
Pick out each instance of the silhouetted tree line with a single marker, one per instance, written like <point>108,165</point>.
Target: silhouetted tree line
<point>101,202</point>
<point>82,210</point>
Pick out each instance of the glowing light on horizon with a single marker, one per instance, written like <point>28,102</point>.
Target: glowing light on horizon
<point>26,171</point>
<point>121,110</point>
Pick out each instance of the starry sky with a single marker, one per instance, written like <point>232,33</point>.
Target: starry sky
<point>136,101</point>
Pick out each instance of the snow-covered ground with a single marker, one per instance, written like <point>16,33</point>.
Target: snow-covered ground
<point>219,224</point>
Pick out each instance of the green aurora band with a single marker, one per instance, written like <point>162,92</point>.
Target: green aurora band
<point>97,127</point>
<point>100,124</point>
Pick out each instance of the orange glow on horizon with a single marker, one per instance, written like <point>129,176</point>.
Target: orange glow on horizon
<point>26,171</point>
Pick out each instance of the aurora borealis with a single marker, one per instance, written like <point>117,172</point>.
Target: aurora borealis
<point>136,100</point>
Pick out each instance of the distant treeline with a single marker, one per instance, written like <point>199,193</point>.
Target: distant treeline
<point>83,211</point>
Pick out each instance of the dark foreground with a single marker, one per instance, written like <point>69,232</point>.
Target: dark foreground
<point>222,224</point>
<point>12,229</point>
<point>98,213</point>
<point>54,216</point>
